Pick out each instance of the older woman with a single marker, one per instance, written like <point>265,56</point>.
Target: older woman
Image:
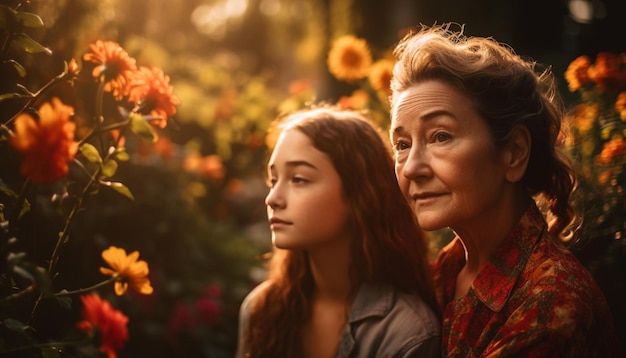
<point>474,128</point>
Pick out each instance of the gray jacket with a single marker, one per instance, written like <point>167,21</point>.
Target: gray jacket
<point>383,323</point>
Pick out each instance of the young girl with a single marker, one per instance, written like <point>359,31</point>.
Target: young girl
<point>349,275</point>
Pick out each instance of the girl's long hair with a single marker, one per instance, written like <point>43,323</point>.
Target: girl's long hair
<point>388,247</point>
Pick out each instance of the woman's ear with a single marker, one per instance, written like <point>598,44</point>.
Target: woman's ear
<point>517,154</point>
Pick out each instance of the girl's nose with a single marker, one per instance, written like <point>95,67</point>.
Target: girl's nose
<point>274,198</point>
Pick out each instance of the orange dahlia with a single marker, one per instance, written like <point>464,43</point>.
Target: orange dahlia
<point>150,90</point>
<point>113,63</point>
<point>98,315</point>
<point>349,58</point>
<point>131,272</point>
<point>47,144</point>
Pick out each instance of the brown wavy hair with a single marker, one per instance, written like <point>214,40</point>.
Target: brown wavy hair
<point>507,90</point>
<point>387,247</point>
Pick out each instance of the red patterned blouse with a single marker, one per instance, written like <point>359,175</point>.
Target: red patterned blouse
<point>532,299</point>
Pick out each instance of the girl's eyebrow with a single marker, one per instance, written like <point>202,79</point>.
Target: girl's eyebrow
<point>297,163</point>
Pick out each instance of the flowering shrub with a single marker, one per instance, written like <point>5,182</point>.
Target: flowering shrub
<point>350,60</point>
<point>65,157</point>
<point>597,142</point>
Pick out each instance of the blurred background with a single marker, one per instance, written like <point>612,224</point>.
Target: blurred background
<point>198,217</point>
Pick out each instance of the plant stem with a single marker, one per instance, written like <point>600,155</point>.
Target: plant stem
<point>87,289</point>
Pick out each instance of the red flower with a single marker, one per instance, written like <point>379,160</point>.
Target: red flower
<point>152,94</point>
<point>114,63</point>
<point>207,310</point>
<point>48,144</point>
<point>98,314</point>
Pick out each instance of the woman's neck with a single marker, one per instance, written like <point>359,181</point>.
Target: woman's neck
<point>483,236</point>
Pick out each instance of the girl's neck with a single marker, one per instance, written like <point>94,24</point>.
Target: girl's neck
<point>330,268</point>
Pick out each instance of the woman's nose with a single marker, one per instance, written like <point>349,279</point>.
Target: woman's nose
<point>417,164</point>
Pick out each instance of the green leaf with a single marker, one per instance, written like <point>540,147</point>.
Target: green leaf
<point>120,188</point>
<point>6,96</point>
<point>121,154</point>
<point>18,68</point>
<point>142,128</point>
<point>29,45</point>
<point>109,168</point>
<point>15,325</point>
<point>19,270</point>
<point>29,19</point>
<point>91,153</point>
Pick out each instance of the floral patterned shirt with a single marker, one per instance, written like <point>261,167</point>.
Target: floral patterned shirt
<point>532,299</point>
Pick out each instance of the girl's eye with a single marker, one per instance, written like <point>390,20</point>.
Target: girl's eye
<point>271,182</point>
<point>298,180</point>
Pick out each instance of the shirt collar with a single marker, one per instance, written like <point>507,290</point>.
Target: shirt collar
<point>496,279</point>
<point>371,300</point>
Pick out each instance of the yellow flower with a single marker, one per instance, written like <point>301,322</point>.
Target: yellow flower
<point>380,76</point>
<point>126,267</point>
<point>349,58</point>
<point>584,116</point>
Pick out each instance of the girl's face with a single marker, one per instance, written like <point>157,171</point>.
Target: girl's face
<point>305,203</point>
<point>447,164</point>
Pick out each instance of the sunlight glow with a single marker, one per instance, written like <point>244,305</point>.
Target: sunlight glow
<point>213,20</point>
<point>584,11</point>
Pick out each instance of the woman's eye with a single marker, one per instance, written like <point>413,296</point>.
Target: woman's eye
<point>442,137</point>
<point>401,145</point>
<point>271,182</point>
<point>298,180</point>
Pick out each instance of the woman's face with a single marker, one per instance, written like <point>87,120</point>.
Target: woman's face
<point>305,203</point>
<point>447,164</point>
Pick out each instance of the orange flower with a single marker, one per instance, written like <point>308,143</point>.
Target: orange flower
<point>72,67</point>
<point>110,323</point>
<point>609,70</point>
<point>577,73</point>
<point>150,90</point>
<point>130,270</point>
<point>299,87</point>
<point>612,149</point>
<point>48,144</point>
<point>380,76</point>
<point>114,63</point>
<point>620,105</point>
<point>358,100</point>
<point>349,58</point>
